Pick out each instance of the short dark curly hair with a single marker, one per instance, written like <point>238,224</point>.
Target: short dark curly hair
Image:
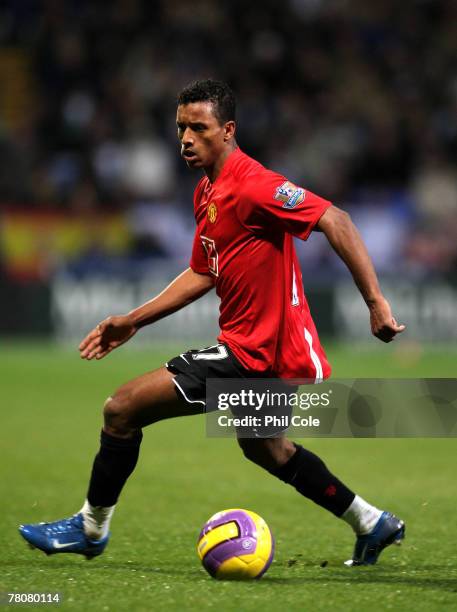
<point>217,92</point>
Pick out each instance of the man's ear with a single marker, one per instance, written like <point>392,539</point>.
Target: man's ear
<point>229,130</point>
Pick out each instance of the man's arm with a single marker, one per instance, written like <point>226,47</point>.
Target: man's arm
<point>348,244</point>
<point>116,330</point>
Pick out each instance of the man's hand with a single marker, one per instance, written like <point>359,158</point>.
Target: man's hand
<point>114,331</point>
<point>108,335</point>
<point>383,324</point>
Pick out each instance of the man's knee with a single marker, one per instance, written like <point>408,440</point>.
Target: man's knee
<point>116,414</point>
<point>269,453</point>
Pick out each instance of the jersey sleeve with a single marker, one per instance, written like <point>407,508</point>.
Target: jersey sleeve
<point>199,259</point>
<point>269,198</point>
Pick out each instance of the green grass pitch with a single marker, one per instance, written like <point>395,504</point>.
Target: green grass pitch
<point>51,406</point>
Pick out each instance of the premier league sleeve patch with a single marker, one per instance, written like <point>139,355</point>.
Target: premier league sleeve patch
<point>289,194</point>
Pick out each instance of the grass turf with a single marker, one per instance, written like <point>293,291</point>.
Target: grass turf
<point>51,404</point>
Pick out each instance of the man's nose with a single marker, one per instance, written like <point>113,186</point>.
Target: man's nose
<point>187,137</point>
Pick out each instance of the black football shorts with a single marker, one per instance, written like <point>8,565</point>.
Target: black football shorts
<point>195,367</point>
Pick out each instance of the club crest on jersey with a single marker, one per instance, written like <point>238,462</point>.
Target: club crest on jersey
<point>212,212</point>
<point>289,194</point>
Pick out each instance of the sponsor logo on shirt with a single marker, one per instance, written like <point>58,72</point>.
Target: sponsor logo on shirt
<point>289,194</point>
<point>212,212</point>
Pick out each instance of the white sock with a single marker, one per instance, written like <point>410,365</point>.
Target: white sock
<point>96,520</point>
<point>361,516</point>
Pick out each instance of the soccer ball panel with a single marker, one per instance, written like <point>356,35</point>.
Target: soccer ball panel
<point>264,537</point>
<point>233,569</point>
<point>216,536</point>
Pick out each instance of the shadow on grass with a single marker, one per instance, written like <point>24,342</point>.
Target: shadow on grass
<point>77,564</point>
<point>311,573</point>
<point>436,584</point>
<point>396,575</point>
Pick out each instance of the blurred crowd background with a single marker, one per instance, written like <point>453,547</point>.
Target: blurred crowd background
<point>353,99</point>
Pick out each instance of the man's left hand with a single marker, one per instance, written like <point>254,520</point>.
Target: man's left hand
<point>383,324</point>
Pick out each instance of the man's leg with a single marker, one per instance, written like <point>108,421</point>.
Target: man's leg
<point>310,476</point>
<point>300,468</point>
<point>142,401</point>
<point>147,399</point>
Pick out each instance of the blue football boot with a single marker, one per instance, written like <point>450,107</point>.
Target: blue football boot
<point>388,530</point>
<point>65,536</point>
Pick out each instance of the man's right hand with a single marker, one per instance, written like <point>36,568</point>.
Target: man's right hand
<point>108,335</point>
<point>114,331</point>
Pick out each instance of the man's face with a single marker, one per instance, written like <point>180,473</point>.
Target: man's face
<point>203,140</point>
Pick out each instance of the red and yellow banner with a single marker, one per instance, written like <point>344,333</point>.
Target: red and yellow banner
<point>32,243</point>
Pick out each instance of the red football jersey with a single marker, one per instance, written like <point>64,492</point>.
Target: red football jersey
<point>245,223</point>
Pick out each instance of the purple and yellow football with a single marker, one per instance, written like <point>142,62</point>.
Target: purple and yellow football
<point>236,544</point>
